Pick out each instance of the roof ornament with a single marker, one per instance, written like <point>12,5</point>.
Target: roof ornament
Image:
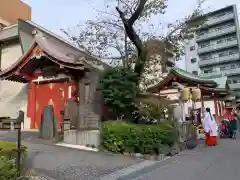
<point>37,33</point>
<point>34,32</point>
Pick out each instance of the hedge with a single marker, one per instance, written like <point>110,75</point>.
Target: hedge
<point>120,137</point>
<point>9,149</point>
<point>8,155</point>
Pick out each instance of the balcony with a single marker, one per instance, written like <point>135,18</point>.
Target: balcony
<point>218,20</point>
<point>231,72</point>
<point>217,60</point>
<point>234,86</point>
<point>224,31</point>
<point>215,47</point>
<point>215,73</point>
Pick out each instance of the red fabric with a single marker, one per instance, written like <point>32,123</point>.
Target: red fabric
<point>210,140</point>
<point>213,140</point>
<point>207,138</point>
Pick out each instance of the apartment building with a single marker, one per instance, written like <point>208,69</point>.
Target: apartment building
<point>214,47</point>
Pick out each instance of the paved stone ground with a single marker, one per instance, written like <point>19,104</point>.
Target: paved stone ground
<point>53,162</point>
<point>215,163</point>
<point>203,163</point>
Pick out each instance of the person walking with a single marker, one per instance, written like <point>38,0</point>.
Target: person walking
<point>210,128</point>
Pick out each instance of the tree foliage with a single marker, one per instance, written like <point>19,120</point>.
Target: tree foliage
<point>104,37</point>
<point>152,109</point>
<point>119,90</point>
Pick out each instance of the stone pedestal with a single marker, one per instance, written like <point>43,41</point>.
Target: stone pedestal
<point>84,138</point>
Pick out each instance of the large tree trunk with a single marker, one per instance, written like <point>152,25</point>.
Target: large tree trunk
<point>132,35</point>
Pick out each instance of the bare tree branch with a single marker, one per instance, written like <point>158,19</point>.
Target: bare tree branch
<point>103,12</point>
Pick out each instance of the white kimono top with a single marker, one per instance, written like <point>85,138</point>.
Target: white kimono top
<point>210,124</point>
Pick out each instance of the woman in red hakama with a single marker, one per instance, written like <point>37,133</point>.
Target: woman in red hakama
<point>210,128</point>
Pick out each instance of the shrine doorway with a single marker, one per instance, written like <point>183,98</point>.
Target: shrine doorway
<point>50,93</point>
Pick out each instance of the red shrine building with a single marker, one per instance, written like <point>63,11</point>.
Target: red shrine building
<point>48,71</point>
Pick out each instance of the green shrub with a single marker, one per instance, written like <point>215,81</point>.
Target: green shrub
<point>122,137</point>
<point>8,155</point>
<point>8,170</point>
<point>9,149</point>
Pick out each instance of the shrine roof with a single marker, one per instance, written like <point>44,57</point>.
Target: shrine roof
<point>184,74</point>
<point>220,80</point>
<point>66,48</point>
<point>56,51</point>
<point>207,83</point>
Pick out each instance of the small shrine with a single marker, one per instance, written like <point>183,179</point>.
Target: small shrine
<point>193,92</point>
<point>54,72</point>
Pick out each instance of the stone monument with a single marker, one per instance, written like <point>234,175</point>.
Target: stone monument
<point>47,125</point>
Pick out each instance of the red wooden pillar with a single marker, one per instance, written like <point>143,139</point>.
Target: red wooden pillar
<point>31,104</point>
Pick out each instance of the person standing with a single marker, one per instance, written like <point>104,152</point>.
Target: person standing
<point>237,113</point>
<point>210,128</point>
<point>233,127</point>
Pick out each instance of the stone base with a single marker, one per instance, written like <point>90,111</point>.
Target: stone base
<point>84,138</point>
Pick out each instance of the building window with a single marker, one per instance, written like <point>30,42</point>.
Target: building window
<point>206,57</point>
<point>222,68</point>
<point>232,52</point>
<point>201,33</point>
<point>208,71</point>
<point>234,81</point>
<point>231,38</point>
<point>233,66</point>
<point>192,48</point>
<point>229,81</point>
<point>219,41</point>
<point>222,54</point>
<point>193,60</point>
<point>195,72</point>
<point>205,44</point>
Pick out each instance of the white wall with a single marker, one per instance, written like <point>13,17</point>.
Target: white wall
<point>13,95</point>
<point>210,104</point>
<point>191,54</point>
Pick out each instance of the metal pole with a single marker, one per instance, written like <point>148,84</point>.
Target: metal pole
<point>20,119</point>
<point>19,149</point>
